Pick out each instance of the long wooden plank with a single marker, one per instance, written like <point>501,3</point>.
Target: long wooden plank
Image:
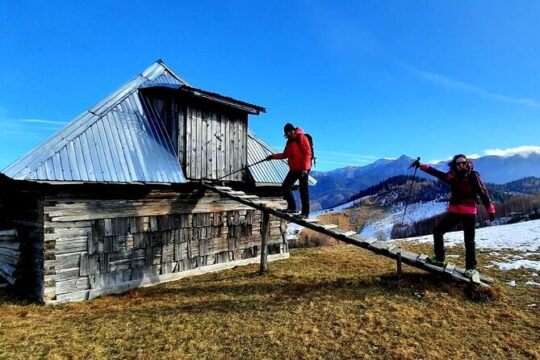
<point>379,247</point>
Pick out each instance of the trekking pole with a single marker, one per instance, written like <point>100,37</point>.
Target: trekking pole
<point>410,190</point>
<point>244,168</point>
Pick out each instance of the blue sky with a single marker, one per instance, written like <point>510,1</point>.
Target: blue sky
<point>368,79</point>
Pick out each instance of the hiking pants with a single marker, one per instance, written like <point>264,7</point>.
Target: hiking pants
<point>287,185</point>
<point>450,221</point>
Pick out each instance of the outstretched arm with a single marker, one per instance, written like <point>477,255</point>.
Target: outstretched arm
<point>434,172</point>
<point>277,156</point>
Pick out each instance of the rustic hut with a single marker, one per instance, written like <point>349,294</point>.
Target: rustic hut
<point>113,201</point>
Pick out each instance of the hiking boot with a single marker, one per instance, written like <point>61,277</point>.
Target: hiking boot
<point>434,261</point>
<point>303,216</point>
<point>469,273</point>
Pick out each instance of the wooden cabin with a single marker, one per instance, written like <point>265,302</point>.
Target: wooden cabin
<point>114,200</point>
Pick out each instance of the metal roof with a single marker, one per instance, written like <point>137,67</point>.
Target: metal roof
<point>118,141</point>
<point>115,141</point>
<point>268,172</point>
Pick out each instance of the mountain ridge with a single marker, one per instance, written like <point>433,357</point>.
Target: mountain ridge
<point>336,186</point>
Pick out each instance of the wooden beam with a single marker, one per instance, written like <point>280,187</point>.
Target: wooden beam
<point>265,231</point>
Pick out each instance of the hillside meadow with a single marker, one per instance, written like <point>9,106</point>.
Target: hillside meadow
<point>336,302</point>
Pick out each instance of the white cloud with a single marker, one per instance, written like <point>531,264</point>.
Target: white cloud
<point>19,128</point>
<point>41,121</point>
<point>519,150</point>
<point>523,150</point>
<point>465,87</point>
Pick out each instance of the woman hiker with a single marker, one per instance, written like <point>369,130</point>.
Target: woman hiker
<point>465,185</point>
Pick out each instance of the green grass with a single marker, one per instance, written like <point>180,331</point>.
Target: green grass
<point>334,303</point>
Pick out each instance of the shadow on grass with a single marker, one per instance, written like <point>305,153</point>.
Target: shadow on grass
<point>282,291</point>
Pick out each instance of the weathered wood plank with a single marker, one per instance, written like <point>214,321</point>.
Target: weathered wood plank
<point>10,260</point>
<point>8,272</point>
<point>8,233</point>
<point>10,245</point>
<point>72,285</point>
<point>449,268</point>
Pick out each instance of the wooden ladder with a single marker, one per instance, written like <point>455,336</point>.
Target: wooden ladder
<point>384,248</point>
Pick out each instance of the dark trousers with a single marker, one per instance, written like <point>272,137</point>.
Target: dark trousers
<point>450,221</point>
<point>287,185</point>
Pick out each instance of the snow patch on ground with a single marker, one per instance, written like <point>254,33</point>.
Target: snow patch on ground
<point>518,264</point>
<point>523,237</point>
<point>382,228</point>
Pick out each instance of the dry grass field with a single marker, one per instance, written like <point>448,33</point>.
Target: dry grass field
<point>335,302</point>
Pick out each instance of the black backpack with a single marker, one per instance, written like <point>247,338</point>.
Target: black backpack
<point>310,139</point>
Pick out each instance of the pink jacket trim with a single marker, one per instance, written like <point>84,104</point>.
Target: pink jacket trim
<point>462,209</point>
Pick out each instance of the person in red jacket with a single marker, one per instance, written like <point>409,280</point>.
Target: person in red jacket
<point>465,185</point>
<point>298,154</point>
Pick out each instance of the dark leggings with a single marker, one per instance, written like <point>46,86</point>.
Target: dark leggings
<point>449,222</point>
<point>287,185</point>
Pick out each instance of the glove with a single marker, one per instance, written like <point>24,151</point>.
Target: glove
<point>491,216</point>
<point>416,164</point>
<point>269,157</point>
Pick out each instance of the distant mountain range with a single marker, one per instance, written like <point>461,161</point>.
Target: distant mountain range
<point>336,186</point>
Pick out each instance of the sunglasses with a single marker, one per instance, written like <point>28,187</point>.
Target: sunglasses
<point>461,163</point>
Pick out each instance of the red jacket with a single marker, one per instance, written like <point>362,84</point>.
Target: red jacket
<point>465,187</point>
<point>297,151</point>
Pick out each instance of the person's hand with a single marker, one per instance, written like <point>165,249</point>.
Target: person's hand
<point>304,173</point>
<point>491,216</point>
<point>416,164</point>
<point>269,157</point>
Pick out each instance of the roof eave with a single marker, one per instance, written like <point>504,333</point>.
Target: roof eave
<point>247,107</point>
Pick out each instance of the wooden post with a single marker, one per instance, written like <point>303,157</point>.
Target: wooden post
<point>265,230</point>
<point>283,231</point>
<point>398,263</point>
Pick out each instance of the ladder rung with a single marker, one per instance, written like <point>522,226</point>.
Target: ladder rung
<point>449,268</point>
<point>237,193</point>
<point>248,196</point>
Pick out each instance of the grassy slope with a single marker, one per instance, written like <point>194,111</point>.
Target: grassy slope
<point>334,303</point>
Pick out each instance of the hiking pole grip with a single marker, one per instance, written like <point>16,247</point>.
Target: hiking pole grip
<point>414,162</point>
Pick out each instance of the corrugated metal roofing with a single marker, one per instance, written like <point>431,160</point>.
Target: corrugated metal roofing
<point>267,172</point>
<point>115,141</point>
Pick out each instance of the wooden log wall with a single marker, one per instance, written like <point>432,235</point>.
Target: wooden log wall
<point>98,246</point>
<point>212,142</point>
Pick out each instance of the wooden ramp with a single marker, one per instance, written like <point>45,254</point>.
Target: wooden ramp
<point>384,248</point>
